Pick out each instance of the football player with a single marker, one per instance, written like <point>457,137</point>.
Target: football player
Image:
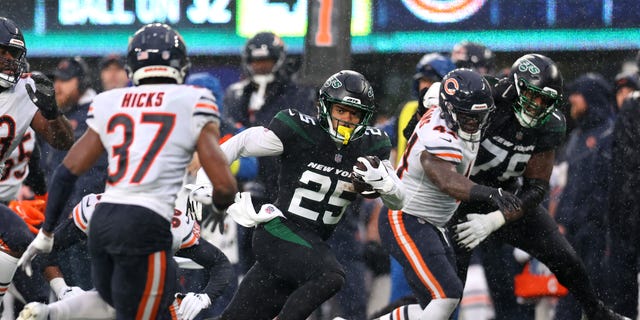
<point>187,244</point>
<point>520,143</point>
<point>434,171</point>
<point>295,269</point>
<point>475,56</point>
<point>25,101</point>
<point>150,132</point>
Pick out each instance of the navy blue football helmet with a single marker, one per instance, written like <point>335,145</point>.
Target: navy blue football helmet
<point>157,51</point>
<point>474,56</point>
<point>262,46</point>
<point>432,66</point>
<point>466,101</point>
<point>12,42</point>
<point>351,89</point>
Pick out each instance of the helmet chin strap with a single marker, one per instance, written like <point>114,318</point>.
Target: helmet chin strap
<point>345,132</point>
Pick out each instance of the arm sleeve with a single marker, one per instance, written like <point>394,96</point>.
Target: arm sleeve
<point>215,262</point>
<point>67,234</point>
<point>60,188</point>
<point>252,142</point>
<point>35,179</point>
<point>532,192</point>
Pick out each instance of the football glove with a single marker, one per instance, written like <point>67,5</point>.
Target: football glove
<point>478,227</point>
<point>243,213</point>
<point>192,304</point>
<point>377,177</point>
<point>507,202</point>
<point>41,244</point>
<point>213,217</point>
<point>44,97</point>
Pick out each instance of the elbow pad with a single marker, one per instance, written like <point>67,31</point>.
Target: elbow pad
<point>532,192</point>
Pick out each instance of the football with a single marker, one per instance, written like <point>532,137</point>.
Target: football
<point>359,185</point>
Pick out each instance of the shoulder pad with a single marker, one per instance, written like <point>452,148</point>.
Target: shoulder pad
<point>556,123</point>
<point>288,115</point>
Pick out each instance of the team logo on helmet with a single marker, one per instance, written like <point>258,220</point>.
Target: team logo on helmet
<point>527,65</point>
<point>450,86</point>
<point>334,83</point>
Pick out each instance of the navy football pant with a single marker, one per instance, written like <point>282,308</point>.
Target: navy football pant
<point>132,261</point>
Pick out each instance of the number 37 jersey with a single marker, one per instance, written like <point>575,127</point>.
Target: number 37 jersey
<point>422,197</point>
<point>150,134</point>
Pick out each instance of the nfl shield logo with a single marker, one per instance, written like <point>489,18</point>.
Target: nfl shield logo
<point>338,158</point>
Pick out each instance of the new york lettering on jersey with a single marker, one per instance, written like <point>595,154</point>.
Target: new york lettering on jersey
<point>150,136</point>
<point>322,188</point>
<point>432,135</point>
<point>507,147</point>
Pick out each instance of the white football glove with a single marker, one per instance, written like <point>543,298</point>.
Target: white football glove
<point>192,304</point>
<point>243,213</point>
<point>69,292</point>
<point>478,227</point>
<point>41,244</point>
<point>378,177</point>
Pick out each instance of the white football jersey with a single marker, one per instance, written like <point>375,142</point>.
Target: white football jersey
<point>184,228</point>
<point>17,112</point>
<point>150,134</point>
<point>423,198</point>
<point>16,167</point>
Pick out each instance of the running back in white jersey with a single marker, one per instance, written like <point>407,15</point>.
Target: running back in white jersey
<point>17,112</point>
<point>184,228</point>
<point>423,198</point>
<point>150,134</point>
<point>16,167</point>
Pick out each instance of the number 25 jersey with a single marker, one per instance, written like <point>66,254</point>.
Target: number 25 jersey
<point>315,184</point>
<point>150,133</point>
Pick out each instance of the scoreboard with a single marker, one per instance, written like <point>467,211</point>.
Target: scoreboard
<point>220,27</point>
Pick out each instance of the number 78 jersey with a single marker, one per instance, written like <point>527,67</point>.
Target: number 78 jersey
<point>150,134</point>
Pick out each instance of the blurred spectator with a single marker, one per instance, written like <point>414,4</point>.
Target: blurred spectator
<point>624,208</point>
<point>74,95</point>
<point>254,101</point>
<point>584,200</point>
<point>112,72</point>
<point>626,82</point>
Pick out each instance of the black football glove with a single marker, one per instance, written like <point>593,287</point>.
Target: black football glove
<point>44,97</point>
<point>213,218</point>
<point>507,202</point>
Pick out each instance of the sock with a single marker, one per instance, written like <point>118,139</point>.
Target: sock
<point>8,266</point>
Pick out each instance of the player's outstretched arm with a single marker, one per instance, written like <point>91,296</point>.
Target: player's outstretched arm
<point>49,122</point>
<point>536,179</point>
<point>216,167</point>
<point>79,159</point>
<point>220,275</point>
